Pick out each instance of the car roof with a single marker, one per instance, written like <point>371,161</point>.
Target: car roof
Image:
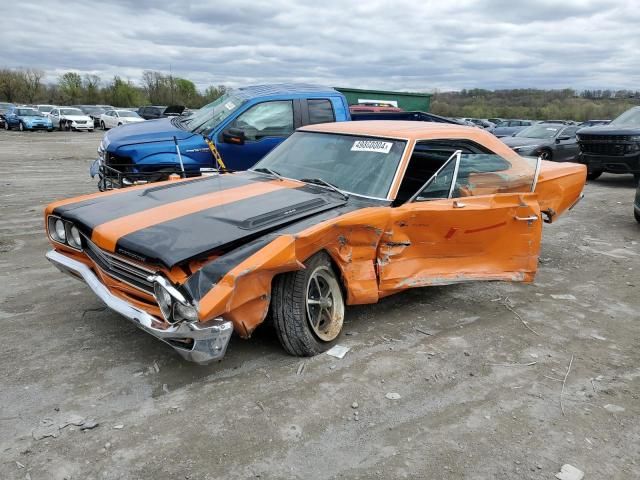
<point>409,130</point>
<point>283,89</point>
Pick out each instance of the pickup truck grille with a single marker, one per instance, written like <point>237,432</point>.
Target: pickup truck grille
<point>609,145</point>
<point>119,268</point>
<point>116,161</point>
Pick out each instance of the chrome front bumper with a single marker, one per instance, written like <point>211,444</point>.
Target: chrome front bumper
<point>210,339</point>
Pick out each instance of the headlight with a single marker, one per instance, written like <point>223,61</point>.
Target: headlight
<point>184,312</point>
<point>174,306</point>
<point>60,231</point>
<point>634,138</point>
<point>75,240</point>
<point>164,300</point>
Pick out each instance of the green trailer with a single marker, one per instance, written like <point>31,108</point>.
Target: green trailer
<point>408,101</point>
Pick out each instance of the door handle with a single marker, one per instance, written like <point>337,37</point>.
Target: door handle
<point>531,218</point>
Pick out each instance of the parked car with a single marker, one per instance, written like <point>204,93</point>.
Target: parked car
<point>480,122</point>
<point>496,120</point>
<point>613,148</point>
<point>549,141</point>
<point>44,108</point>
<point>3,108</point>
<point>508,127</point>
<point>26,118</point>
<point>69,118</point>
<point>94,111</point>
<point>335,216</point>
<point>593,123</point>
<point>244,125</point>
<point>152,112</point>
<point>115,118</point>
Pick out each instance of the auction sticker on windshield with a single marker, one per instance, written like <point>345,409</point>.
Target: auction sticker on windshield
<point>371,146</point>
<point>229,105</point>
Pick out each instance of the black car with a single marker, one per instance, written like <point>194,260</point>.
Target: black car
<point>593,123</point>
<point>94,111</point>
<point>550,141</point>
<point>3,109</point>
<point>612,148</point>
<point>151,112</point>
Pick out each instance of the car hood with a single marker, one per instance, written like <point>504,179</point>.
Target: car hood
<point>610,130</point>
<point>32,118</point>
<point>76,117</point>
<point>522,141</point>
<point>149,131</point>
<point>172,222</point>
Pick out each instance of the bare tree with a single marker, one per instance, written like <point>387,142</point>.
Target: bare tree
<point>32,79</point>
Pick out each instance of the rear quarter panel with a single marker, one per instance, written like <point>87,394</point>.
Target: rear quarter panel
<point>559,186</point>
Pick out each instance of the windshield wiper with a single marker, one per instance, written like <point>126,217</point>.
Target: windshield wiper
<point>269,171</point>
<point>319,181</point>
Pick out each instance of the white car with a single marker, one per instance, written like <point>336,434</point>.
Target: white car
<point>115,118</point>
<point>44,109</point>
<point>67,118</point>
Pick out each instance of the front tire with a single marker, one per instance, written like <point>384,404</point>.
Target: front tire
<point>307,307</point>
<point>21,126</point>
<point>102,126</point>
<point>594,174</point>
<point>546,155</point>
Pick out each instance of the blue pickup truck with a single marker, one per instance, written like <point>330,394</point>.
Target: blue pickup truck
<point>244,125</point>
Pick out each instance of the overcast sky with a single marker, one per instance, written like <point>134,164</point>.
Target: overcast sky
<point>417,45</point>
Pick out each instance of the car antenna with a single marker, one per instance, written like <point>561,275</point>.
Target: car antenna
<point>175,140</point>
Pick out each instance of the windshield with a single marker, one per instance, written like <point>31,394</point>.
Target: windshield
<point>71,111</point>
<point>211,115</point>
<point>28,112</point>
<point>360,165</point>
<point>128,114</point>
<point>630,117</point>
<point>538,131</point>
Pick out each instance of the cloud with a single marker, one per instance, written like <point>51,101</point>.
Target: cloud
<point>406,44</point>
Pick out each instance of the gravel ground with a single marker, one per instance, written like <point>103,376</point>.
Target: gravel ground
<point>478,394</point>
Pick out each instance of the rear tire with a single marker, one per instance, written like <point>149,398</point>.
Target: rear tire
<point>307,307</point>
<point>594,175</point>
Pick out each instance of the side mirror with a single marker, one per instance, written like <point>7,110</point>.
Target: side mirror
<point>234,136</point>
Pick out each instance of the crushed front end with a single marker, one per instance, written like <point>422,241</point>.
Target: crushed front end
<point>142,294</point>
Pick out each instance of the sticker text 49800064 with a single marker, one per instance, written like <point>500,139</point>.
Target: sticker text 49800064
<point>371,146</point>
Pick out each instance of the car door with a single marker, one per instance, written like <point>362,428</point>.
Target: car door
<point>55,117</point>
<point>255,132</point>
<point>477,218</point>
<point>566,144</point>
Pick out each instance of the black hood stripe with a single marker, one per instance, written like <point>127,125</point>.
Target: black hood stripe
<point>96,211</point>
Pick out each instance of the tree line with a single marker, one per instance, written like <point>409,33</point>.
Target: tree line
<point>27,85</point>
<point>534,104</point>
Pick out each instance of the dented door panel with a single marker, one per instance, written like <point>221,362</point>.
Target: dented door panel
<point>455,240</point>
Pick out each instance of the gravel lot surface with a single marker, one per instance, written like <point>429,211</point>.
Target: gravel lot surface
<point>478,393</point>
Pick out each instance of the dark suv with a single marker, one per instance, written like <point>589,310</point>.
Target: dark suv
<point>152,112</point>
<point>613,148</point>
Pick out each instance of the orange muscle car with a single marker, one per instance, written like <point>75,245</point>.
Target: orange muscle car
<point>338,214</point>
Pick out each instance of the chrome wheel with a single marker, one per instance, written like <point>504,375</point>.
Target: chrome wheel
<point>545,155</point>
<point>325,307</point>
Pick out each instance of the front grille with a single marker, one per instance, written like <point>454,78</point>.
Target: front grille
<point>119,268</point>
<point>81,122</point>
<point>116,161</point>
<point>609,145</point>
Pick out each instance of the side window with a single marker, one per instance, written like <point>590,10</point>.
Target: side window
<point>320,111</point>
<point>569,132</point>
<point>471,168</point>
<point>268,119</point>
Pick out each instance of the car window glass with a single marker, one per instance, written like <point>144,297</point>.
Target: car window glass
<point>268,119</point>
<point>569,132</point>
<point>320,111</point>
<point>480,172</point>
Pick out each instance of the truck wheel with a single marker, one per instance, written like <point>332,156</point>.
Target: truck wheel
<point>594,175</point>
<point>307,307</point>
